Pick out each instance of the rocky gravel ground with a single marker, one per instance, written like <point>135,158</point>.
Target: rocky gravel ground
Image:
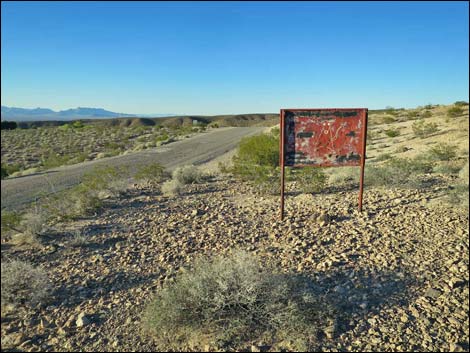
<point>397,273</point>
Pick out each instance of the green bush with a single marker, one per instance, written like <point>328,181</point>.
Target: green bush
<point>422,129</point>
<point>10,221</point>
<point>383,157</point>
<point>461,103</point>
<point>227,302</point>
<point>392,132</point>
<point>442,152</point>
<point>426,114</point>
<point>257,161</point>
<point>308,179</point>
<point>388,119</point>
<point>4,172</point>
<point>454,112</point>
<point>151,174</point>
<point>86,197</point>
<point>9,169</point>
<point>412,115</point>
<point>397,171</point>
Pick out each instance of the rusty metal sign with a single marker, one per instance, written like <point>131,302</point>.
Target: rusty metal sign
<point>323,138</point>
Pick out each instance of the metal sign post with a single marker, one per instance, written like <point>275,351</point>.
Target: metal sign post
<point>323,138</point>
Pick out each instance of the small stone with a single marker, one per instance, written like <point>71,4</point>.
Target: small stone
<point>432,293</point>
<point>255,348</point>
<point>404,318</point>
<point>82,320</point>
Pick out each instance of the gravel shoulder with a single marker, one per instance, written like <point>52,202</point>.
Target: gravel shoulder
<point>397,273</point>
<point>16,192</point>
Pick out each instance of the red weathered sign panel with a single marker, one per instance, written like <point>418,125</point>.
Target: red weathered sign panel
<point>324,137</point>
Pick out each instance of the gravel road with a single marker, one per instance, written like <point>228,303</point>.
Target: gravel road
<point>17,192</point>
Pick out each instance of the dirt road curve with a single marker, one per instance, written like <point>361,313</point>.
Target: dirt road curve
<point>201,148</point>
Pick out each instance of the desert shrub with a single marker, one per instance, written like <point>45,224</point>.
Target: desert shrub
<point>442,152</point>
<point>77,124</point>
<point>257,161</point>
<point>402,149</point>
<point>78,239</point>
<point>459,196</point>
<point>463,174</point>
<point>388,119</point>
<point>371,135</point>
<point>106,178</point>
<point>23,284</point>
<point>4,172</point>
<point>187,174</point>
<point>342,175</point>
<point>8,169</point>
<point>151,174</point>
<point>426,114</point>
<point>454,112</point>
<point>397,171</point>
<point>392,132</point>
<point>172,187</point>
<point>87,197</point>
<point>10,222</point>
<point>309,180</point>
<point>447,167</point>
<point>459,193</point>
<point>412,115</point>
<point>229,301</point>
<point>461,103</point>
<point>383,157</point>
<point>54,160</point>
<point>422,129</point>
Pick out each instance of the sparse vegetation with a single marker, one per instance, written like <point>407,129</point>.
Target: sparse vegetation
<point>88,196</point>
<point>422,129</point>
<point>442,152</point>
<point>397,171</point>
<point>172,187</point>
<point>392,132</point>
<point>308,180</point>
<point>383,157</point>
<point>454,112</point>
<point>187,174</point>
<point>47,147</point>
<point>23,284</point>
<point>151,174</point>
<point>10,222</point>
<point>229,301</point>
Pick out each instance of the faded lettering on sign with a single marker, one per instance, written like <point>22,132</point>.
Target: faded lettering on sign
<point>324,137</point>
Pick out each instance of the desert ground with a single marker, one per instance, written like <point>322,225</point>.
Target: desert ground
<point>391,278</point>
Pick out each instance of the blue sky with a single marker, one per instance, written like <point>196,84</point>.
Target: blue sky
<point>233,57</point>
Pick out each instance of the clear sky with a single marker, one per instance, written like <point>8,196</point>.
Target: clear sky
<point>233,57</point>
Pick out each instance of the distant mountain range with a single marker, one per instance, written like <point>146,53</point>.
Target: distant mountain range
<point>22,114</point>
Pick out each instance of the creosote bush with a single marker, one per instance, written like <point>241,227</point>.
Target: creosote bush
<point>398,171</point>
<point>151,174</point>
<point>257,161</point>
<point>23,284</point>
<point>442,152</point>
<point>187,174</point>
<point>392,132</point>
<point>226,302</point>
<point>88,196</point>
<point>454,111</point>
<point>172,187</point>
<point>422,129</point>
